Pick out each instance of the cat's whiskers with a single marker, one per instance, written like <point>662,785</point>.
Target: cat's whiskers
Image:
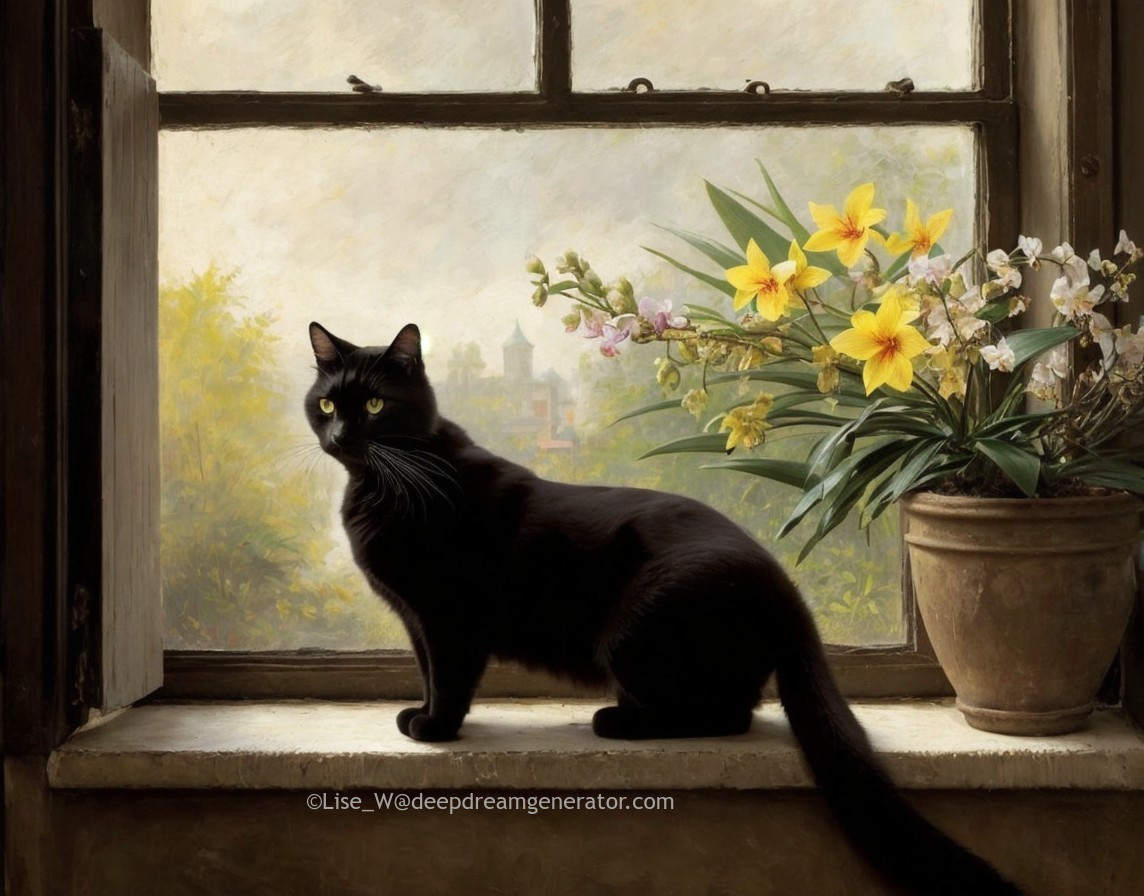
<point>302,457</point>
<point>417,477</point>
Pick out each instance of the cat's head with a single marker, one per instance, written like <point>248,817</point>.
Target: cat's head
<point>368,395</point>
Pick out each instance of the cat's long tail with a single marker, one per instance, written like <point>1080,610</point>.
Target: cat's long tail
<point>901,844</point>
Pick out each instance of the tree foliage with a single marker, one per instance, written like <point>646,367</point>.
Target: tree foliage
<point>248,556</point>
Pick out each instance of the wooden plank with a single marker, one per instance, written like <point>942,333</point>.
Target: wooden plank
<point>219,110</point>
<point>32,249</point>
<point>132,612</point>
<point>1128,82</point>
<point>114,331</point>
<point>393,675</point>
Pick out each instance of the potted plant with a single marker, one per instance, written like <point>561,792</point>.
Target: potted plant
<point>1007,446</point>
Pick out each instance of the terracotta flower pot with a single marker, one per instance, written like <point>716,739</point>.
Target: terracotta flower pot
<point>1025,601</point>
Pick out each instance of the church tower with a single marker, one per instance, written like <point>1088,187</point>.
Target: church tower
<point>517,357</point>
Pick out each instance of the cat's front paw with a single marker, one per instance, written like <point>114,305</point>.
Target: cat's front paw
<point>407,715</point>
<point>426,728</point>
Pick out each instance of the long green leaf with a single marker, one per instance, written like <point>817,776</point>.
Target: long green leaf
<point>717,252</point>
<point>765,209</point>
<point>718,283</point>
<point>799,232</point>
<point>1020,466</point>
<point>788,472</point>
<point>1007,425</point>
<point>896,267</point>
<point>914,464</point>
<point>826,454</point>
<point>1105,471</point>
<point>832,480</point>
<point>664,405</point>
<point>706,442</point>
<point>995,312</point>
<point>744,225</point>
<point>863,473</point>
<point>1028,344</point>
<point>799,379</point>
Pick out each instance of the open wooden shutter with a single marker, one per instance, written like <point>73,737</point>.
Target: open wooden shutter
<point>113,394</point>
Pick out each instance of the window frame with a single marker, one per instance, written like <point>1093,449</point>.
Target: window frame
<point>910,669</point>
<point>1062,53</point>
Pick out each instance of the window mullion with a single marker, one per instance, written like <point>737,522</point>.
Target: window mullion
<point>554,48</point>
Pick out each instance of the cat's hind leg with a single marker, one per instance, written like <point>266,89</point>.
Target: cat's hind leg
<point>686,667</point>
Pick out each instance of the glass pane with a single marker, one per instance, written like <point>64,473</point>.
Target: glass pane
<point>813,45</point>
<point>314,45</point>
<point>263,231</point>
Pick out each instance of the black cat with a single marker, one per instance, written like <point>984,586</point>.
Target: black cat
<point>667,602</point>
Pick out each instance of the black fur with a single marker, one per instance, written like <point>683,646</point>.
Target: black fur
<point>665,601</point>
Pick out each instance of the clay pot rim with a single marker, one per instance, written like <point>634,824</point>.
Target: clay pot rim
<point>934,504</point>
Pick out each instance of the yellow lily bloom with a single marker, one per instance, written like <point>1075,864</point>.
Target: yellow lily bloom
<point>885,341</point>
<point>849,232</point>
<point>805,275</point>
<point>758,280</point>
<point>747,425</point>
<point>919,238</point>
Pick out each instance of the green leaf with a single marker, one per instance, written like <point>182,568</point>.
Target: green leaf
<point>1018,422</point>
<point>766,209</point>
<point>799,232</point>
<point>718,283</point>
<point>1020,466</point>
<point>864,471</point>
<point>702,312</point>
<point>839,476</point>
<point>773,373</point>
<point>788,472</point>
<point>896,267</point>
<point>1106,472</point>
<point>717,252</point>
<point>916,462</point>
<point>995,313</point>
<point>649,409</point>
<point>744,225</point>
<point>1028,344</point>
<point>707,442</point>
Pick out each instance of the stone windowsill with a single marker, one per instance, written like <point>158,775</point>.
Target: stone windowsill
<point>546,745</point>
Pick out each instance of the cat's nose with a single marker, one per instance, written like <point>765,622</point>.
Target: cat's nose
<point>335,437</point>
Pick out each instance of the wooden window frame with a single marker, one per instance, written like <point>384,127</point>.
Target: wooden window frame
<point>1068,56</point>
<point>909,669</point>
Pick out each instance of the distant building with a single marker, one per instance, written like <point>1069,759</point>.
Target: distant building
<point>535,413</point>
<point>540,406</point>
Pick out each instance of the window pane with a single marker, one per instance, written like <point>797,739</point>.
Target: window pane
<point>262,231</point>
<point>812,45</point>
<point>314,45</point>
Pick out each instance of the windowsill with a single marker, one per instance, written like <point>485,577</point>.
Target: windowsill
<point>546,745</point>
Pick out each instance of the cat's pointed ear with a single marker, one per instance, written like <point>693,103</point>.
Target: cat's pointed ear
<point>406,347</point>
<point>329,351</point>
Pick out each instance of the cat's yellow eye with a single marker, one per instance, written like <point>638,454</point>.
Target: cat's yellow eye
<point>374,405</point>
<point>325,405</point>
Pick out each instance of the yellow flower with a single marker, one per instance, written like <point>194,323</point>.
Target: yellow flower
<point>758,280</point>
<point>953,367</point>
<point>849,232</point>
<point>747,424</point>
<point>885,341</point>
<point>919,238</point>
<point>826,360</point>
<point>805,276</point>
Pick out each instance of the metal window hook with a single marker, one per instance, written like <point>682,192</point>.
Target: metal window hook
<point>757,87</point>
<point>640,85</point>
